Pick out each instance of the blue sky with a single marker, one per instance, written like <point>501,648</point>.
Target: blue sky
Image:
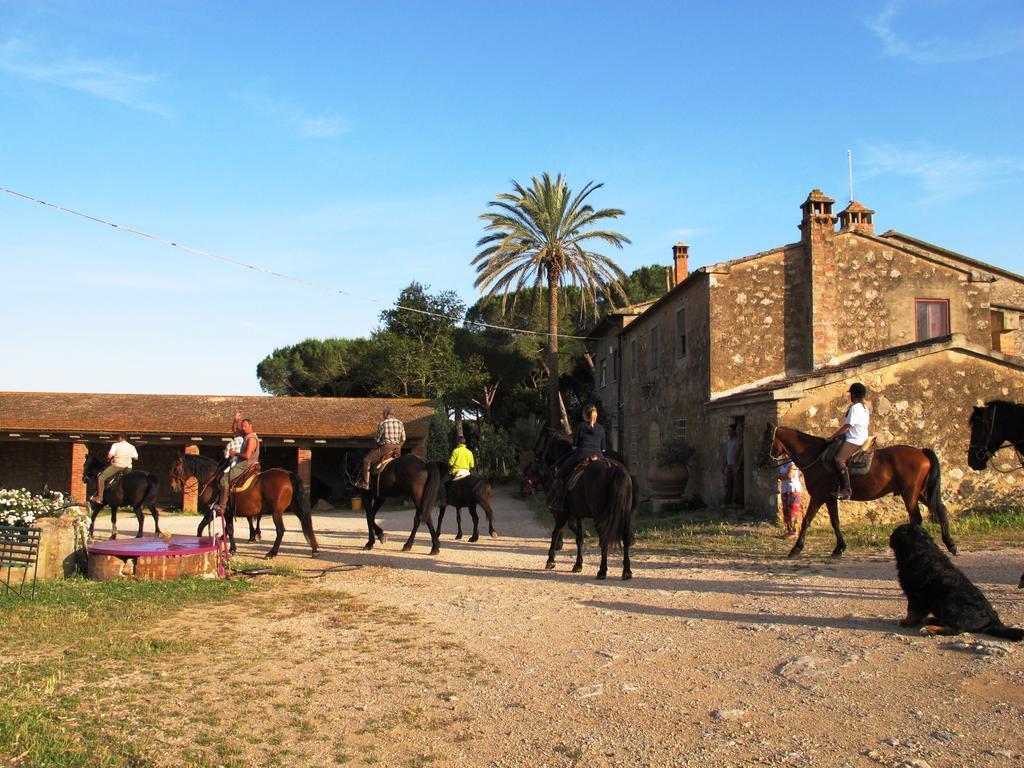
<point>354,144</point>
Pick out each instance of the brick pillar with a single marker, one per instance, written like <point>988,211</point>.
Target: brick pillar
<point>78,452</point>
<point>304,467</point>
<point>190,495</point>
<point>819,241</point>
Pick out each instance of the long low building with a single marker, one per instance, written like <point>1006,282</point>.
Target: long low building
<point>46,436</point>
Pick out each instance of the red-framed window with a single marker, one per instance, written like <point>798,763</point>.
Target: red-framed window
<point>932,317</point>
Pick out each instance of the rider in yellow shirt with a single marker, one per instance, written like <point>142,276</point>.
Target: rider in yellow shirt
<point>461,461</point>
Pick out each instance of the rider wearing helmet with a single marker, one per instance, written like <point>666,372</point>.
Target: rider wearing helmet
<point>853,433</point>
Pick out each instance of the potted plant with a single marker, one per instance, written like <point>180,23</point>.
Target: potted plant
<point>670,470</point>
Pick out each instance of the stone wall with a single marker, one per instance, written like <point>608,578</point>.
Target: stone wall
<point>666,398</point>
<point>876,309</point>
<point>924,402</point>
<point>748,321</point>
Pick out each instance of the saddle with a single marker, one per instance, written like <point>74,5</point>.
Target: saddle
<point>858,464</point>
<point>244,480</point>
<point>115,482</point>
<point>578,471</point>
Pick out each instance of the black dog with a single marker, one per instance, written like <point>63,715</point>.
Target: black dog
<point>936,588</point>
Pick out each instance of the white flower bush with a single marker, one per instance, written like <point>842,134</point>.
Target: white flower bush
<point>20,507</point>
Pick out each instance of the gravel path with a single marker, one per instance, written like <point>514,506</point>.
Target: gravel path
<point>693,662</point>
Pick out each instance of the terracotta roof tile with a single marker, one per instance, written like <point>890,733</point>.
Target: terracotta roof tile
<point>311,417</point>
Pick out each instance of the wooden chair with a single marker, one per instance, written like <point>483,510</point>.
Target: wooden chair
<point>19,550</point>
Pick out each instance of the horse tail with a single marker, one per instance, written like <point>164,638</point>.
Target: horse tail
<point>152,489</point>
<point>933,488</point>
<point>998,629</point>
<point>617,520</point>
<point>432,490</point>
<point>442,495</point>
<point>300,505</point>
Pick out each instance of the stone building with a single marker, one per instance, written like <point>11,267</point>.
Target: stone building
<point>44,437</point>
<point>780,335</point>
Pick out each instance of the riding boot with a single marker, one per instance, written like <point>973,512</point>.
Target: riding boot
<point>222,499</point>
<point>844,491</point>
<point>98,496</point>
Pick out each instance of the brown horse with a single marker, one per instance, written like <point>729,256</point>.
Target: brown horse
<point>902,470</point>
<point>272,492</point>
<point>408,476</point>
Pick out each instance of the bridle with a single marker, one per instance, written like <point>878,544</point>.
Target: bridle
<point>786,457</point>
<point>985,453</point>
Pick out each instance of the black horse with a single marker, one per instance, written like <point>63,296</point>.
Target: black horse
<point>465,492</point>
<point>206,472</point>
<point>410,477</point>
<point>137,489</point>
<point>606,492</point>
<point>997,425</point>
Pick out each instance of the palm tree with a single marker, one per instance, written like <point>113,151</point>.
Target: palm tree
<point>540,235</point>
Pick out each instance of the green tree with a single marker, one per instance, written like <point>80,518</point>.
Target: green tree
<point>319,368</point>
<point>540,236</point>
<point>646,283</point>
<point>437,436</point>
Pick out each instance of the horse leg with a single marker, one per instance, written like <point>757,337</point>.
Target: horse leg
<point>812,510</point>
<point>113,521</point>
<point>627,572</point>
<point>435,533</point>
<point>578,565</point>
<point>556,539</point>
<point>476,522</point>
<point>913,505</point>
<point>833,515</point>
<point>252,529</point>
<point>602,572</point>
<point>412,535</point>
<point>92,522</point>
<point>279,524</point>
<point>440,516</point>
<point>156,517</point>
<point>486,504</point>
<point>458,523</point>
<point>371,521</point>
<point>207,518</point>
<point>229,525</point>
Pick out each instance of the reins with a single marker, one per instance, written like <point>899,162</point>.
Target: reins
<point>990,454</point>
<point>787,457</point>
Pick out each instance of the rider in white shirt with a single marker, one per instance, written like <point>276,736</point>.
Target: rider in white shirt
<point>853,433</point>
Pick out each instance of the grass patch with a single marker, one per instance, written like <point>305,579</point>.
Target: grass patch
<point>261,568</point>
<point>730,534</point>
<point>75,635</point>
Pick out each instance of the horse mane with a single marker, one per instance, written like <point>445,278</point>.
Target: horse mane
<point>804,435</point>
<point>198,466</point>
<point>1013,419</point>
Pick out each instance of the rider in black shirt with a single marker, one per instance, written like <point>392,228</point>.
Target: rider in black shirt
<point>587,440</point>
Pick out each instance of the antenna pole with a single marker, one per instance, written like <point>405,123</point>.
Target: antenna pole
<point>849,160</point>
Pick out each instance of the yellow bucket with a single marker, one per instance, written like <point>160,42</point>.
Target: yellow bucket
<point>357,503</point>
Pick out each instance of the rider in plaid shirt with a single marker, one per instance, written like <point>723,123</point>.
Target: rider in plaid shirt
<point>390,438</point>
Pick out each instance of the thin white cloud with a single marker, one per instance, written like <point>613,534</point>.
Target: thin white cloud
<point>296,118</point>
<point>963,46</point>
<point>103,79</point>
<point>941,173</point>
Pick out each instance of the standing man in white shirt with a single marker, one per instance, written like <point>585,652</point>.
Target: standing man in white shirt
<point>121,455</point>
<point>853,433</point>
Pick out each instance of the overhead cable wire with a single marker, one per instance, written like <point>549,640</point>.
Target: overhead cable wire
<point>280,275</point>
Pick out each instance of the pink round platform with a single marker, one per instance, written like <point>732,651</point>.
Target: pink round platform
<point>152,557</point>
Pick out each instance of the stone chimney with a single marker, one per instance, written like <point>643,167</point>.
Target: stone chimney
<point>817,215</point>
<point>680,262</point>
<point>857,217</point>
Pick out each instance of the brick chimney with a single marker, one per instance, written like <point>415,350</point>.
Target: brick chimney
<point>818,226</point>
<point>680,262</point>
<point>857,217</point>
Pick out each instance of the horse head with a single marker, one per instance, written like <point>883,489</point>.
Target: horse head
<point>986,436</point>
<point>178,476</point>
<point>92,468</point>
<point>772,450</point>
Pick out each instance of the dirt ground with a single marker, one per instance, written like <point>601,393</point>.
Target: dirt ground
<point>480,657</point>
